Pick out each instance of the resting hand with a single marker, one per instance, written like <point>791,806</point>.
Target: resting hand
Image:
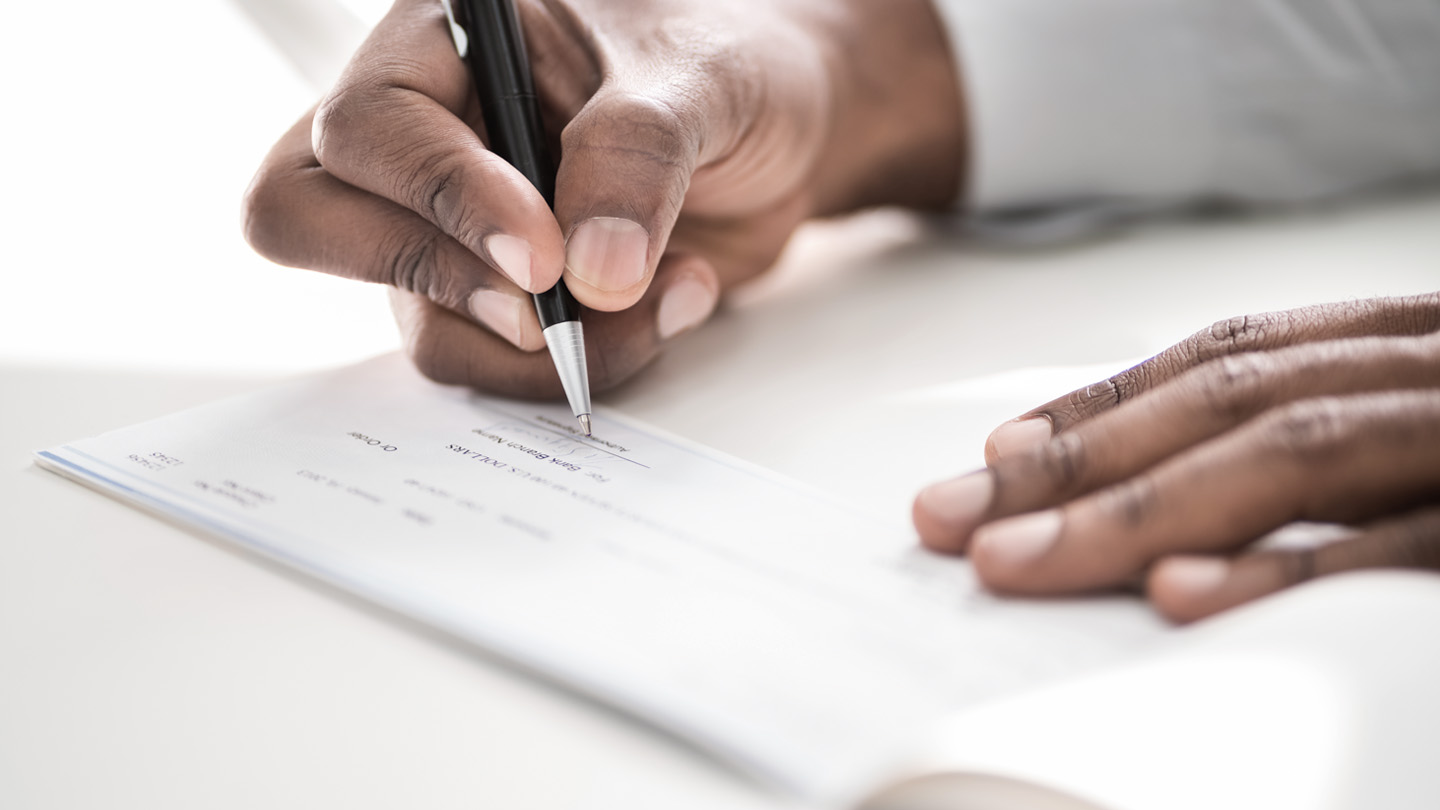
<point>1172,469</point>
<point>693,136</point>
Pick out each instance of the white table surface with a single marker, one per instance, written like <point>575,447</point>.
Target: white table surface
<point>145,666</point>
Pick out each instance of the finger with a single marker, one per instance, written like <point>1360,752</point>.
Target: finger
<point>629,155</point>
<point>297,214</point>
<point>1328,459</point>
<point>1190,587</point>
<point>448,349</point>
<point>393,127</point>
<point>741,248</point>
<point>1416,315</point>
<point>1198,405</point>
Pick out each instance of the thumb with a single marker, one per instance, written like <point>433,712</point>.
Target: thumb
<point>627,160</point>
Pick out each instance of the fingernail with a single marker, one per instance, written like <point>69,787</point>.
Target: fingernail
<point>1019,541</point>
<point>500,312</point>
<point>959,503</point>
<point>1017,436</point>
<point>685,305</point>
<point>608,253</point>
<point>1194,576</point>
<point>512,255</point>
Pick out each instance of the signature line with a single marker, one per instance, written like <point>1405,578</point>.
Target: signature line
<point>581,442</point>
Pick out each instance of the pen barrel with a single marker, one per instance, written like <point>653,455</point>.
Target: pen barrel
<point>500,68</point>
<point>514,130</point>
<point>556,305</point>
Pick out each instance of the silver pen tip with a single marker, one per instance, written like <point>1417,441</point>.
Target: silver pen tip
<point>585,422</point>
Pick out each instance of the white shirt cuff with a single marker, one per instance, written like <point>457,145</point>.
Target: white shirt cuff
<point>1075,102</point>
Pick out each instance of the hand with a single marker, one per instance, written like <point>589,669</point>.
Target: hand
<point>1173,469</point>
<point>693,137</point>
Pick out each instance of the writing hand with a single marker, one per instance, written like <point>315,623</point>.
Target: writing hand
<point>693,137</point>
<point>1172,469</point>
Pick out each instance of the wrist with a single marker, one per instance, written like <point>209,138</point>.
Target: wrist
<point>898,130</point>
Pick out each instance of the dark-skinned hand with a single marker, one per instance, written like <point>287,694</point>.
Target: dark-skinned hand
<point>693,137</point>
<point>1169,472</point>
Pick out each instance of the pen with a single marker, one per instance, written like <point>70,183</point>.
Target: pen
<point>487,35</point>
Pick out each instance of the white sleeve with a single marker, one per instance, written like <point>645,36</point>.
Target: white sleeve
<point>1160,103</point>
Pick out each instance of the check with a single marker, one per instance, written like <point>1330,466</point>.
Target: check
<point>782,630</point>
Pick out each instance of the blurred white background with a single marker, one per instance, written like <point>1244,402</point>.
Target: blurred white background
<point>132,132</point>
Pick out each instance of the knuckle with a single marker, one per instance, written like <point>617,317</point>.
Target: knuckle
<point>1064,462</point>
<point>1110,392</point>
<point>1233,387</point>
<point>336,120</point>
<point>434,186</point>
<point>661,131</point>
<point>1311,432</point>
<point>1096,397</point>
<point>1131,503</point>
<point>1230,332</point>
<point>369,97</point>
<point>1129,384</point>
<point>1244,333</point>
<point>411,263</point>
<point>358,130</point>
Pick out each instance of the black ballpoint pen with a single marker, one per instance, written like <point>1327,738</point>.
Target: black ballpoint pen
<point>487,34</point>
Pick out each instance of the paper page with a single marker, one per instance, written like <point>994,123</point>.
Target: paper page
<point>777,627</point>
<point>1320,698</point>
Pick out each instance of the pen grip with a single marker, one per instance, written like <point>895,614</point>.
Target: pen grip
<point>556,305</point>
<point>500,68</point>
